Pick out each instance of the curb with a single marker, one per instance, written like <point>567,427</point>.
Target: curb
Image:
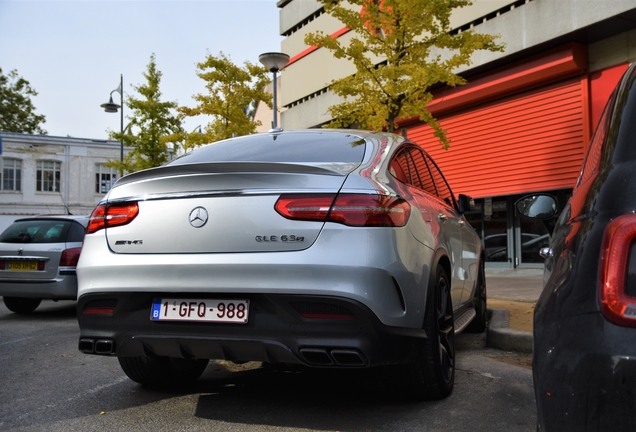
<point>502,337</point>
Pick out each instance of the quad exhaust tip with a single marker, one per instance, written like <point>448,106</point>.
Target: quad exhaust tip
<point>333,357</point>
<point>97,346</point>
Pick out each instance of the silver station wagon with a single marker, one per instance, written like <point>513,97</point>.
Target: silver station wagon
<point>324,248</point>
<point>38,256</point>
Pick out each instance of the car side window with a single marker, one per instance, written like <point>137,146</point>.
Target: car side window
<point>443,189</point>
<point>425,180</point>
<point>592,161</point>
<point>395,168</point>
<point>414,166</point>
<point>399,167</point>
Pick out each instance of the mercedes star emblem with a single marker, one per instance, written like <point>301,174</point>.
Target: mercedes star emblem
<point>198,217</point>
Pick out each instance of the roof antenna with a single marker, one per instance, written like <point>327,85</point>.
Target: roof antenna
<point>68,212</point>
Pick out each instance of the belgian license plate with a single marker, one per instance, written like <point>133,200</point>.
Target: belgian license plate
<point>22,265</point>
<point>205,310</point>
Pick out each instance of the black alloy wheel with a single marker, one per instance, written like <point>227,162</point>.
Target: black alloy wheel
<point>431,375</point>
<point>441,340</point>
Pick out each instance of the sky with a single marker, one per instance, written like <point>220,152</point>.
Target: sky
<point>73,52</point>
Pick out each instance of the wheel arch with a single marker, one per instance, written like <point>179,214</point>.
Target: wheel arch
<point>440,258</point>
<point>481,263</point>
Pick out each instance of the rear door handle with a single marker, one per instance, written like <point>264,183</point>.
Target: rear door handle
<point>441,217</point>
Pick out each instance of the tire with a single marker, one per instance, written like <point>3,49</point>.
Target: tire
<point>431,375</point>
<point>478,324</point>
<point>163,372</point>
<point>21,305</point>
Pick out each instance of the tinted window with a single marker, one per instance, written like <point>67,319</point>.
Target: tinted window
<point>443,190</point>
<point>76,233</point>
<point>399,167</point>
<point>414,166</point>
<point>423,174</point>
<point>285,147</point>
<point>36,231</point>
<point>592,161</point>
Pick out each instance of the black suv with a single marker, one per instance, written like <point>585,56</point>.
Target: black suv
<point>585,320</point>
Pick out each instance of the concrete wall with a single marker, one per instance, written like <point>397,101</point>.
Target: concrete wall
<point>612,51</point>
<point>294,12</point>
<point>529,24</point>
<point>316,71</point>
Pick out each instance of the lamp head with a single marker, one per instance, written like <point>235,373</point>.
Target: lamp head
<point>274,61</point>
<point>110,106</point>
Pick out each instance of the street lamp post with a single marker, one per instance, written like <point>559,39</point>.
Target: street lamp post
<point>111,107</point>
<point>274,61</point>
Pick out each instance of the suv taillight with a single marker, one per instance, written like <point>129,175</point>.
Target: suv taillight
<point>111,215</point>
<point>617,298</point>
<point>70,257</point>
<point>348,209</point>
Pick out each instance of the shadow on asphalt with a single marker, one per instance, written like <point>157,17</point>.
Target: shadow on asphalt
<point>48,309</point>
<point>296,398</point>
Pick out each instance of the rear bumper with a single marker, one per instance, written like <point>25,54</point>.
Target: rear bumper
<point>61,288</point>
<point>585,374</point>
<point>387,272</point>
<point>276,332</point>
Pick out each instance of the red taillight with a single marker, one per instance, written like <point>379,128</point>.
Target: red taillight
<point>111,215</point>
<point>370,210</point>
<point>348,209</point>
<point>327,316</point>
<point>99,311</point>
<point>70,257</point>
<point>100,307</point>
<point>305,207</point>
<point>616,305</point>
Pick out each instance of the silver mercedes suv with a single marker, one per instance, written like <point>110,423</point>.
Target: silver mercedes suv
<point>330,249</point>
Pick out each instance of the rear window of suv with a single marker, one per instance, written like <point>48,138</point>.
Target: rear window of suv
<point>43,231</point>
<point>285,147</point>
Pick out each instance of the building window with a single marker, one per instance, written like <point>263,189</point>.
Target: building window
<point>105,178</point>
<point>11,174</point>
<point>48,176</point>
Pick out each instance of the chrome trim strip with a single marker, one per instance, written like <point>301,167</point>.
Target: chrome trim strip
<point>234,193</point>
<point>24,258</point>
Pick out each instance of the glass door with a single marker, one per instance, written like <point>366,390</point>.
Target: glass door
<point>530,237</point>
<point>496,232</point>
<point>490,218</point>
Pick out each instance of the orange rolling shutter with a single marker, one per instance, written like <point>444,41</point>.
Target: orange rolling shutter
<point>532,141</point>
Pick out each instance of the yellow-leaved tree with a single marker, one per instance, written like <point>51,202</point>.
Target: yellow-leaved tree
<point>233,93</point>
<point>400,49</point>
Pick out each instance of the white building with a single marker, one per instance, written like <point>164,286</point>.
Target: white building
<point>45,174</point>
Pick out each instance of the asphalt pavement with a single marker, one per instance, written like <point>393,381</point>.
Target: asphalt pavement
<point>524,285</point>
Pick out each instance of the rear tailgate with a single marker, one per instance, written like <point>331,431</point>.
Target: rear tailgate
<point>219,208</point>
<point>20,261</point>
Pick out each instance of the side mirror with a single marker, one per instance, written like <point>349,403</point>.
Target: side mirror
<point>466,203</point>
<point>539,206</point>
